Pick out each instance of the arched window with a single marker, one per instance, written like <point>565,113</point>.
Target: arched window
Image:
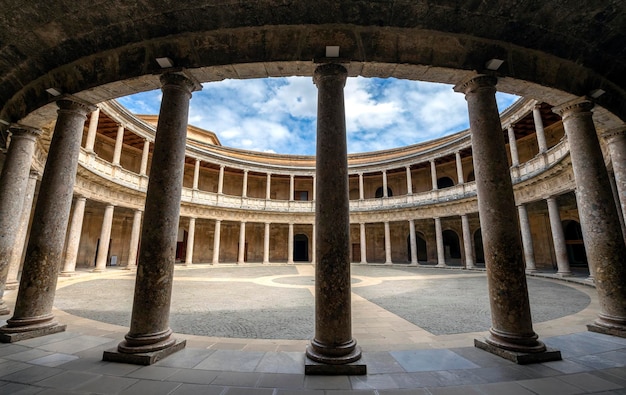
<point>451,244</point>
<point>444,182</point>
<point>379,192</point>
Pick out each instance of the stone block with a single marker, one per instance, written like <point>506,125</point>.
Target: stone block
<point>323,369</point>
<point>520,358</point>
<point>606,331</point>
<point>25,335</point>
<point>148,358</point>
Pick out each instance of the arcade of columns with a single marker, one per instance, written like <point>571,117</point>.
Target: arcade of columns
<point>507,255</point>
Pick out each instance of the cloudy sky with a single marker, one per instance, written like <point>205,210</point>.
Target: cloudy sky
<point>278,114</point>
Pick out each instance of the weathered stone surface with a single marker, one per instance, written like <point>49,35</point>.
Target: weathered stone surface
<point>144,358</point>
<point>520,358</point>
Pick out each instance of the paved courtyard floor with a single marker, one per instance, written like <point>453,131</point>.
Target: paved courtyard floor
<point>247,326</point>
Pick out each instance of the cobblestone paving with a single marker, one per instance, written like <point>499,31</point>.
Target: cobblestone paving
<point>274,302</point>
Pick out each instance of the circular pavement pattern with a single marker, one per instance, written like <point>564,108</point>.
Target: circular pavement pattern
<point>235,302</point>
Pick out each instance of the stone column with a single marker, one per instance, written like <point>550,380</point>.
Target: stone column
<point>409,181</point>
<point>387,244</point>
<point>527,239</point>
<point>313,248</point>
<point>413,241</point>
<point>93,129</point>
<point>150,338</point>
<point>333,349</point>
<point>541,135</point>
<point>363,243</point>
<point>144,157</point>
<point>220,181</point>
<point>513,146</point>
<point>433,174</point>
<point>119,141</point>
<point>105,238</point>
<point>190,241</point>
<point>385,193</point>
<point>441,252</point>
<point>244,189</point>
<point>459,168</point>
<point>616,141</point>
<point>73,241</point>
<point>241,253</point>
<point>467,242</point>
<point>268,187</point>
<point>290,244</point>
<point>15,261</point>
<point>314,187</point>
<point>33,308</point>
<point>558,238</point>
<point>196,173</point>
<point>266,243</point>
<point>600,225</point>
<point>511,335</point>
<point>134,241</point>
<point>291,187</point>
<point>13,184</point>
<point>216,243</point>
<point>361,191</point>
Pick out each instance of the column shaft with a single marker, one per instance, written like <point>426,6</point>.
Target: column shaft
<point>190,241</point>
<point>527,239</point>
<point>134,241</point>
<point>333,343</point>
<point>433,174</point>
<point>33,308</point>
<point>92,130</point>
<point>604,242</point>
<point>413,241</point>
<point>268,186</point>
<point>409,181</point>
<point>216,242</point>
<point>196,173</point>
<point>467,242</point>
<point>363,243</point>
<point>513,146</point>
<point>117,152</point>
<point>241,253</point>
<point>387,244</point>
<point>244,189</point>
<point>361,192</point>
<point>73,241</point>
<point>541,135</point>
<point>105,238</point>
<point>616,141</point>
<point>459,168</point>
<point>220,181</point>
<point>508,293</point>
<point>144,157</point>
<point>441,252</point>
<point>385,192</point>
<point>266,243</point>
<point>291,187</point>
<point>558,238</point>
<point>290,244</point>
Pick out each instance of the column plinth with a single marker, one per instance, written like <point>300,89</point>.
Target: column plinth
<point>599,222</point>
<point>33,308</point>
<point>511,335</point>
<point>332,350</point>
<point>149,338</point>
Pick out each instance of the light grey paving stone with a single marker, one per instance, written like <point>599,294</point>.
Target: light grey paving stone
<point>415,391</point>
<point>18,389</point>
<point>152,373</point>
<point>75,344</point>
<point>198,389</point>
<point>327,382</point>
<point>280,380</point>
<point>68,380</point>
<point>373,382</point>
<point>300,392</point>
<point>480,357</point>
<point>536,370</point>
<point>9,349</point>
<point>107,385</point>
<point>566,366</point>
<point>193,376</point>
<point>449,378</point>
<point>618,356</point>
<point>596,361</point>
<point>550,386</point>
<point>48,339</point>
<point>502,373</point>
<point>599,336</point>
<point>28,355</point>
<point>54,359</point>
<point>83,364</point>
<point>249,391</point>
<point>32,374</point>
<point>415,380</point>
<point>381,362</point>
<point>573,346</point>
<point>10,367</point>
<point>614,375</point>
<point>185,358</point>
<point>281,362</point>
<point>150,387</point>
<point>430,360</point>
<point>589,382</point>
<point>243,379</point>
<point>510,388</point>
<point>349,392</point>
<point>54,391</point>
<point>460,390</point>
<point>233,361</point>
<point>114,368</point>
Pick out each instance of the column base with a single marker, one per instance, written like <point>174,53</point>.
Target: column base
<point>388,263</point>
<point>10,286</point>
<point>12,335</point>
<point>608,325</point>
<point>317,368</point>
<point>520,358</point>
<point>564,274</point>
<point>145,358</point>
<point>441,265</point>
<point>68,274</point>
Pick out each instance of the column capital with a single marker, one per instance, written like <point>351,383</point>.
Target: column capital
<point>614,132</point>
<point>180,80</point>
<point>330,70</point>
<point>75,105</point>
<point>578,105</point>
<point>476,82</point>
<point>23,130</point>
<point>537,106</point>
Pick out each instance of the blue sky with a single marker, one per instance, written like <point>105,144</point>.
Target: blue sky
<point>278,114</point>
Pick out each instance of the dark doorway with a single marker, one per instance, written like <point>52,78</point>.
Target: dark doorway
<point>451,244</point>
<point>444,182</point>
<point>379,192</point>
<point>574,244</point>
<point>479,253</point>
<point>300,248</point>
<point>181,248</point>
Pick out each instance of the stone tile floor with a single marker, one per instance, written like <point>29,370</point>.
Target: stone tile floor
<point>408,361</point>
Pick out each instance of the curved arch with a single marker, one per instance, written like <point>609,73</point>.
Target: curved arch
<point>379,192</point>
<point>444,182</point>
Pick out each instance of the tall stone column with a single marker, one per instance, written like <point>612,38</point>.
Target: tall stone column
<point>513,146</point>
<point>15,261</point>
<point>73,241</point>
<point>459,168</point>
<point>268,187</point>
<point>363,240</point>
<point>361,191</point>
<point>385,192</point>
<point>387,244</point>
<point>190,241</point>
<point>600,225</point>
<point>313,246</point>
<point>409,181</point>
<point>117,151</point>
<point>558,238</point>
<point>541,134</point>
<point>441,252</point>
<point>216,242</point>
<point>511,335</point>
<point>290,244</point>
<point>527,239</point>
<point>220,181</point>
<point>92,130</point>
<point>13,185</point>
<point>291,187</point>
<point>467,242</point>
<point>616,141</point>
<point>433,174</point>
<point>413,241</point>
<point>332,350</point>
<point>196,174</point>
<point>150,337</point>
<point>105,239</point>
<point>144,157</point>
<point>266,243</point>
<point>241,253</point>
<point>134,241</point>
<point>33,308</point>
<point>244,189</point>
